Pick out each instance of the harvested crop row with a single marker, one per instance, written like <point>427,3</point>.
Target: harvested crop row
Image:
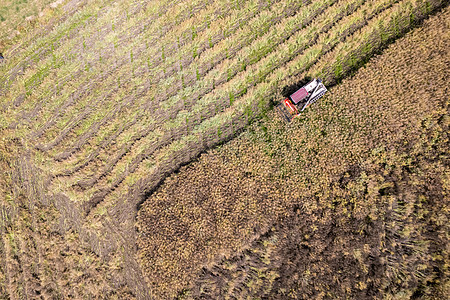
<point>38,256</point>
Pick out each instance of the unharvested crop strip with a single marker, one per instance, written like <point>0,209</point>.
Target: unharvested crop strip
<point>39,105</point>
<point>283,55</point>
<point>112,162</point>
<point>109,119</point>
<point>82,138</point>
<point>109,116</point>
<point>100,194</point>
<point>59,111</point>
<point>65,29</point>
<point>239,33</point>
<point>140,49</point>
<point>168,31</point>
<point>66,102</point>
<point>101,78</point>
<point>41,47</point>
<point>92,84</point>
<point>213,21</point>
<point>171,14</point>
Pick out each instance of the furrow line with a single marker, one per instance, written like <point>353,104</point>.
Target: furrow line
<point>93,155</point>
<point>234,37</point>
<point>91,105</point>
<point>108,167</point>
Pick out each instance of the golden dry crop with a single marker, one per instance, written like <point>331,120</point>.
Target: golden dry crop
<point>100,101</point>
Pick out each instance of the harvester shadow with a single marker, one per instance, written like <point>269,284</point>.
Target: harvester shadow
<point>290,89</point>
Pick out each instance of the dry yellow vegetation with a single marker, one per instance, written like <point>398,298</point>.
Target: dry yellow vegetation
<point>101,100</point>
<point>353,195</point>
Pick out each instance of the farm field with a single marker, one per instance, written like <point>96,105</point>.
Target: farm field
<point>16,16</point>
<point>348,201</point>
<point>101,101</point>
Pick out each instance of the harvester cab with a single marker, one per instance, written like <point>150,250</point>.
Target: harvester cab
<point>296,103</point>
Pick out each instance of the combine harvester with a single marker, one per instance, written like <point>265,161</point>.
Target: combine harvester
<point>293,106</point>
